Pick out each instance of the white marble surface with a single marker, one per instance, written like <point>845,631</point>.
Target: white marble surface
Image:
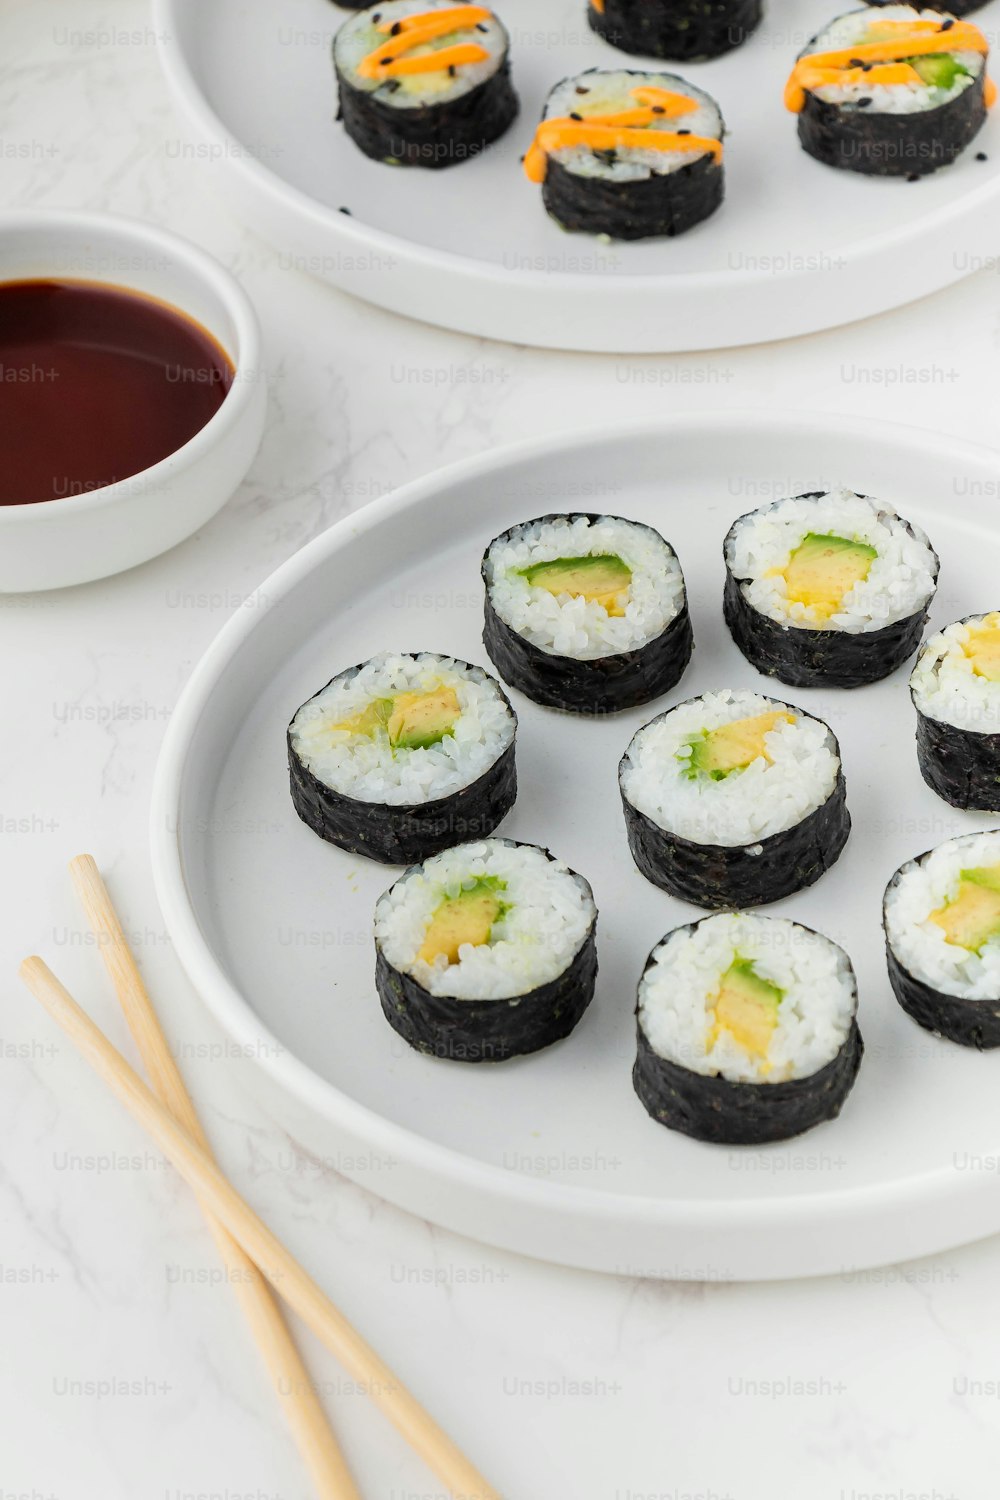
<point>126,1373</point>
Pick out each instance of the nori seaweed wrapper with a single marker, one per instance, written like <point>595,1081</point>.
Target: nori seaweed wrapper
<point>743,1114</point>
<point>397,834</point>
<point>719,876</point>
<point>664,203</point>
<point>681,30</point>
<point>891,145</point>
<point>488,1030</point>
<point>817,658</point>
<point>601,685</point>
<point>429,135</point>
<point>970,1023</point>
<point>963,767</point>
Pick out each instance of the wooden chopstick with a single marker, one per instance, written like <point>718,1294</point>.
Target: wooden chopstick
<point>280,1267</point>
<point>306,1418</point>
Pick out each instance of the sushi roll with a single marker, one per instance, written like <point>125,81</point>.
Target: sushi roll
<point>628,155</point>
<point>942,939</point>
<point>733,799</point>
<point>486,952</point>
<point>403,756</point>
<point>955,687</point>
<point>891,91</point>
<point>680,30</point>
<point>586,613</point>
<point>424,83</point>
<point>827,589</point>
<point>747,1030</point>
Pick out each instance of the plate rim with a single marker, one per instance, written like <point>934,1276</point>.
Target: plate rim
<point>292,1075</point>
<point>581,288</point>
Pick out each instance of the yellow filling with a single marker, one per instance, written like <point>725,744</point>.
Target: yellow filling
<point>973,917</point>
<point>823,569</point>
<point>601,579</point>
<point>468,917</point>
<point>747,1008</point>
<point>983,648</point>
<point>734,746</point>
<point>411,721</point>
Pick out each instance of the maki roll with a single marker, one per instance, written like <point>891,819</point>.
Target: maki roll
<point>891,91</point>
<point>681,30</point>
<point>424,83</point>
<point>586,613</point>
<point>827,589</point>
<point>733,799</point>
<point>629,155</point>
<point>955,687</point>
<point>486,952</point>
<point>403,756</point>
<point>942,939</point>
<point>747,1030</point>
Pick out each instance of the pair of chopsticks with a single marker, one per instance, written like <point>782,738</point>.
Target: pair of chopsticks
<point>247,1246</point>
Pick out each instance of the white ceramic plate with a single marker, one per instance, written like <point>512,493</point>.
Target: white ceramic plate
<point>796,246</point>
<point>552,1155</point>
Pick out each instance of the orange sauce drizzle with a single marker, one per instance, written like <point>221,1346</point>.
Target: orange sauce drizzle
<point>389,60</point>
<point>625,129</point>
<point>905,39</point>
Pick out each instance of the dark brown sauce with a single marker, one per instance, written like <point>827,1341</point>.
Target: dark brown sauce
<point>97,383</point>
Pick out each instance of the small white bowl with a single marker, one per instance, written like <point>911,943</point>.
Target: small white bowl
<point>53,543</point>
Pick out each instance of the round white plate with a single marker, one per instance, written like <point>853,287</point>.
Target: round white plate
<point>552,1155</point>
<point>795,247</point>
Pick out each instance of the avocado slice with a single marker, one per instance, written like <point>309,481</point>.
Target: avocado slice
<point>419,720</point>
<point>747,1008</point>
<point>824,568</point>
<point>937,69</point>
<point>734,746</point>
<point>973,917</point>
<point>373,717</point>
<point>412,721</point>
<point>601,578</point>
<point>468,917</point>
<point>983,648</point>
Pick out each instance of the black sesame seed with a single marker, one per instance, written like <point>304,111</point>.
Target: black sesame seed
<point>658,109</point>
<point>913,177</point>
<point>396,28</point>
<point>451,70</point>
<point>581,90</point>
<point>481,27</point>
<point>683,132</point>
<point>981,156</point>
<point>346,211</point>
<point>946,25</point>
<point>574,116</point>
<point>863,103</point>
<point>392,84</point>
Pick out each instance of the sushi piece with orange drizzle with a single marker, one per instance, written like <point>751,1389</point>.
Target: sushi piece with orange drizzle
<point>891,91</point>
<point>628,155</point>
<point>424,82</point>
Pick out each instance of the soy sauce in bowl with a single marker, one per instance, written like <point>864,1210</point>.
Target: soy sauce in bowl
<point>97,383</point>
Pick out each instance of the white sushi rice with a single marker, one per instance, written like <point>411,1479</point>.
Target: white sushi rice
<point>577,627</point>
<point>925,885</point>
<point>892,99</point>
<point>551,912</point>
<point>901,580</point>
<point>597,92</point>
<point>678,990</point>
<point>946,687</point>
<point>746,805</point>
<point>368,768</point>
<point>360,36</point>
